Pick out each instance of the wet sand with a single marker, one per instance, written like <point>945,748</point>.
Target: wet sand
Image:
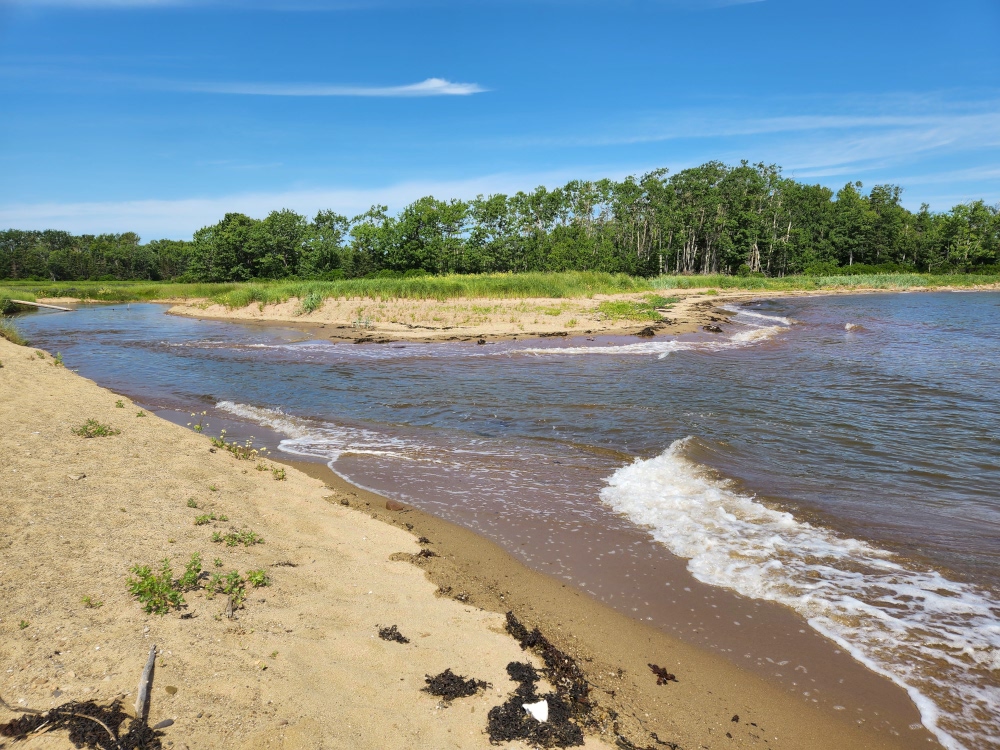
<point>328,681</point>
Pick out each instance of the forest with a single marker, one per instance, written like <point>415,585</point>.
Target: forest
<point>745,220</point>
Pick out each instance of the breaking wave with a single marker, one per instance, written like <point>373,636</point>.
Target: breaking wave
<point>938,639</point>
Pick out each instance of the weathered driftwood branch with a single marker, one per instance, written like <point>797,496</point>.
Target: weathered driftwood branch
<point>145,682</point>
<point>40,304</point>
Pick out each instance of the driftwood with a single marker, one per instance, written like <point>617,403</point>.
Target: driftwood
<point>145,683</point>
<point>40,304</point>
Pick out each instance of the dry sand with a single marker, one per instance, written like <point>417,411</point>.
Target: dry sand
<point>301,666</point>
<point>380,321</point>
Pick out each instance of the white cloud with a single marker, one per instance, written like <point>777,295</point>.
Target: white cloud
<point>429,87</point>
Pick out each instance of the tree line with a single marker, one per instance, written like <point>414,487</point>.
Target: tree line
<point>745,219</point>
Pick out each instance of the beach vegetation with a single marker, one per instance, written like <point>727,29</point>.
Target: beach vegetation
<point>23,624</point>
<point>9,331</point>
<point>192,503</point>
<point>156,591</point>
<point>90,603</point>
<point>278,473</point>
<point>119,404</point>
<point>208,518</point>
<point>258,578</point>
<point>58,360</point>
<point>140,413</point>
<point>232,584</point>
<point>92,428</point>
<point>217,562</point>
<point>235,538</point>
<point>644,309</point>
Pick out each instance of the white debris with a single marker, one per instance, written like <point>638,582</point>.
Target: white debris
<point>539,711</point>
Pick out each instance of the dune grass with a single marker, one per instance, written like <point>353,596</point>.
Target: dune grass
<point>810,283</point>
<point>565,285</point>
<point>441,288</point>
<point>9,331</point>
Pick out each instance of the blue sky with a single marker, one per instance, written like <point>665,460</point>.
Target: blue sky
<point>160,116</point>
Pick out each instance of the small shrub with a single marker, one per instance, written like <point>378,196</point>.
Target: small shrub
<point>141,414</point>
<point>91,603</point>
<point>218,562</point>
<point>58,360</point>
<point>208,518</point>
<point>278,473</point>
<point>119,404</point>
<point>23,624</point>
<point>258,578</point>
<point>155,591</point>
<point>92,428</point>
<point>192,503</point>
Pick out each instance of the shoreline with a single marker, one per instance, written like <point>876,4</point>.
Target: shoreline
<point>490,320</point>
<point>155,464</point>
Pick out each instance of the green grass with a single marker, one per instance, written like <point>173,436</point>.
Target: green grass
<point>7,294</point>
<point>9,331</point>
<point>645,309</point>
<point>567,285</point>
<point>441,288</point>
<point>807,283</point>
<point>92,428</point>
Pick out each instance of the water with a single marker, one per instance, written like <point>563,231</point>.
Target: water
<point>837,455</point>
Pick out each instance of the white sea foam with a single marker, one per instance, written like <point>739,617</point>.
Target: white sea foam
<point>752,331</point>
<point>937,638</point>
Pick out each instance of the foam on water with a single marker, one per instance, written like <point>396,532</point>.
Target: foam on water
<point>756,327</point>
<point>939,639</point>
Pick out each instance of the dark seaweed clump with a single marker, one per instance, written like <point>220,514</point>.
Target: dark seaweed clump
<point>392,633</point>
<point>449,685</point>
<point>569,706</point>
<point>84,732</point>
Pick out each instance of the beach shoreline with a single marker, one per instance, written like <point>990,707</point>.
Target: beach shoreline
<point>154,465</point>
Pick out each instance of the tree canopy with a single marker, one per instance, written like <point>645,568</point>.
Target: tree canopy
<point>716,218</point>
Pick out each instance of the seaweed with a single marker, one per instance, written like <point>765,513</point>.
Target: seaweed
<point>662,675</point>
<point>89,726</point>
<point>450,686</point>
<point>392,633</point>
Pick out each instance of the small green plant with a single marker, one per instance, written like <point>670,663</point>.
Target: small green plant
<point>141,413</point>
<point>192,503</point>
<point>208,518</point>
<point>10,332</point>
<point>218,562</point>
<point>156,591</point>
<point>23,624</point>
<point>244,452</point>
<point>39,354</point>
<point>92,428</point>
<point>258,578</point>
<point>119,404</point>
<point>278,473</point>
<point>274,654</point>
<point>236,538</point>
<point>213,488</point>
<point>192,572</point>
<point>90,603</point>
<point>261,466</point>
<point>200,425</point>
<point>58,360</point>
<point>231,584</point>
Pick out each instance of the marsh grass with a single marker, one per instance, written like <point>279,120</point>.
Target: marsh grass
<point>9,331</point>
<point>644,309</point>
<point>835,282</point>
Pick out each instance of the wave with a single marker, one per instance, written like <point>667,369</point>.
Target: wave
<point>938,639</point>
<point>752,332</point>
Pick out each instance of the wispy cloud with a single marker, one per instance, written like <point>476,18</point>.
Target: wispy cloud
<point>429,87</point>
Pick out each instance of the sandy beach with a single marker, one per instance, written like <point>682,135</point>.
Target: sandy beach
<point>300,664</point>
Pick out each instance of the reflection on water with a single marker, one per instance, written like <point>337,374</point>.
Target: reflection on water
<point>828,445</point>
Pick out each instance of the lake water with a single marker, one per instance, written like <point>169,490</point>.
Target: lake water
<point>837,455</point>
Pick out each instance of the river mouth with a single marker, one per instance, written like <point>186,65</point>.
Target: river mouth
<point>711,486</point>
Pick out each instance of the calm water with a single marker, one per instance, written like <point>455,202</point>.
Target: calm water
<point>840,456</point>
